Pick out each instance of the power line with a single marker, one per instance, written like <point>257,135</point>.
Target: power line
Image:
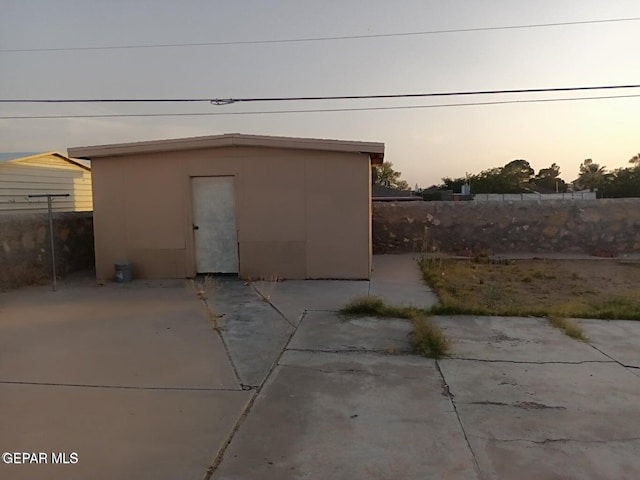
<point>226,101</point>
<point>322,110</point>
<point>321,39</point>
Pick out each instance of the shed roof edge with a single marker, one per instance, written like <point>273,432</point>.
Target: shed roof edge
<point>374,149</point>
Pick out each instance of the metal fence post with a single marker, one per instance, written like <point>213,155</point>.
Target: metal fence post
<point>50,209</point>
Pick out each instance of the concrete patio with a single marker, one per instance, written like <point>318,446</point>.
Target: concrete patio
<point>268,381</point>
<point>131,377</point>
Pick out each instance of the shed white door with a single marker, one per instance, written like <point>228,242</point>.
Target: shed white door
<point>214,223</point>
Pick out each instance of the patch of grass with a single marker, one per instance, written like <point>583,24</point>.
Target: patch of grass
<point>376,307</point>
<point>465,287</point>
<point>365,306</point>
<point>617,307</point>
<point>433,275</point>
<point>569,327</point>
<point>426,338</point>
<point>538,274</point>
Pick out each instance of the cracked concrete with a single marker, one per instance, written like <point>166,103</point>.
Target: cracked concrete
<point>590,405</point>
<point>523,405</point>
<point>139,378</point>
<point>560,460</point>
<point>513,339</point>
<point>598,416</point>
<point>253,330</point>
<point>516,399</point>
<point>330,408</point>
<point>329,331</point>
<point>331,415</point>
<point>616,339</point>
<point>294,297</point>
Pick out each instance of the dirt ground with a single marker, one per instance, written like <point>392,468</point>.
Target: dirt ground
<point>599,288</point>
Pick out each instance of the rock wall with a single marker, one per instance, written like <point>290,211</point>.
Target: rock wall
<point>24,247</point>
<point>605,227</point>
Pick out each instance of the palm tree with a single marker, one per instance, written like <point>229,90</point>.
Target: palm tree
<point>635,160</point>
<point>591,175</point>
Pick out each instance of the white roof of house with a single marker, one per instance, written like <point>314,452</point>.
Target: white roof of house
<point>374,149</point>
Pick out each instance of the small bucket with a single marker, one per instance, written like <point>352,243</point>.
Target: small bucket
<point>123,272</point>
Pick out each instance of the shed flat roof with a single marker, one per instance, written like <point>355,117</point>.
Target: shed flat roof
<point>374,149</point>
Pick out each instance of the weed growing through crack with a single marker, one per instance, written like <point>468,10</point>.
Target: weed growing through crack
<point>269,285</point>
<point>376,307</point>
<point>569,327</point>
<point>205,286</point>
<point>426,338</point>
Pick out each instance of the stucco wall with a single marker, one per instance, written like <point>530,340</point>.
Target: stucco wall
<point>24,247</point>
<point>300,213</point>
<point>600,227</point>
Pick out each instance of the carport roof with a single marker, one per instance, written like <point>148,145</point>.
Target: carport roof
<point>374,149</point>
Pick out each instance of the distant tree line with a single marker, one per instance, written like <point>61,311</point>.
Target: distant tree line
<point>621,182</point>
<point>517,176</point>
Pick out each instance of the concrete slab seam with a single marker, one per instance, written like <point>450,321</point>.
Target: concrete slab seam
<point>612,359</point>
<point>245,413</point>
<point>350,371</point>
<point>449,395</point>
<point>223,449</point>
<point>268,300</point>
<point>211,315</point>
<point>400,353</point>
<point>531,362</point>
<point>120,387</point>
<point>556,440</point>
<point>523,405</point>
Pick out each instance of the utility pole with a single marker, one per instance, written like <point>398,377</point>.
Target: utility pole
<point>49,197</point>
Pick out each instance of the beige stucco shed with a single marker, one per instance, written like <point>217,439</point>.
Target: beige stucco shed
<point>258,206</point>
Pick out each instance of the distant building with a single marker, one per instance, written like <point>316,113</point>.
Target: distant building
<point>510,197</point>
<point>389,194</point>
<point>23,174</point>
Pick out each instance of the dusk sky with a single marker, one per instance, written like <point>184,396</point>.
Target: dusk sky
<point>424,143</point>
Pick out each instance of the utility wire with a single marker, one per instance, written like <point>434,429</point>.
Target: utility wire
<point>321,39</point>
<point>226,101</point>
<point>322,110</point>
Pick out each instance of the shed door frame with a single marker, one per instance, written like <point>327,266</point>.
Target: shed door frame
<point>215,231</point>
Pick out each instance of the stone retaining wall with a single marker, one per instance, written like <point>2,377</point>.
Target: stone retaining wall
<point>605,227</point>
<point>24,247</point>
